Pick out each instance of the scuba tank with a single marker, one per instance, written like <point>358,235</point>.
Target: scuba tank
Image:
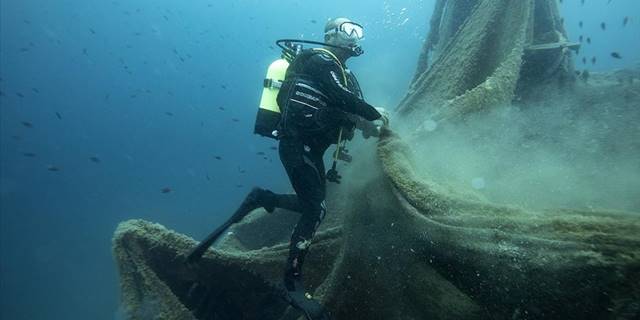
<point>268,116</point>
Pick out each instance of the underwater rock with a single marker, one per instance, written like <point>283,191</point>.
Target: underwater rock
<point>397,243</point>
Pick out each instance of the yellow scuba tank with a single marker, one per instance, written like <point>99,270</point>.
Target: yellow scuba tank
<point>268,116</point>
<point>269,112</point>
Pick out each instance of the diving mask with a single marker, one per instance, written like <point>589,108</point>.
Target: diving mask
<point>347,32</point>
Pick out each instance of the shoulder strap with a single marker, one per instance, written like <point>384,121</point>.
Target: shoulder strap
<point>336,60</point>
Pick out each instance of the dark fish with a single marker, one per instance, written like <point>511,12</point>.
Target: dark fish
<point>580,24</point>
<point>25,21</point>
<point>27,124</point>
<point>603,26</point>
<point>582,2</point>
<point>589,40</point>
<point>169,114</point>
<point>18,138</point>
<point>84,51</point>
<point>208,178</point>
<point>561,20</point>
<point>95,159</point>
<point>585,75</point>
<point>53,168</point>
<point>165,190</point>
<point>223,86</point>
<point>616,55</point>
<point>593,60</point>
<point>580,39</point>
<point>260,153</point>
<point>35,90</point>
<point>165,17</point>
<point>29,154</point>
<point>242,171</point>
<point>218,157</point>
<point>234,119</point>
<point>92,31</point>
<point>265,158</point>
<point>274,148</point>
<point>625,21</point>
<point>272,48</point>
<point>58,115</point>
<point>584,60</point>
<point>19,94</point>
<point>202,86</point>
<point>221,108</point>
<point>24,49</point>
<point>314,21</point>
<point>239,186</point>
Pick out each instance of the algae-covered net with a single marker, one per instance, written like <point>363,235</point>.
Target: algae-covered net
<point>407,237</point>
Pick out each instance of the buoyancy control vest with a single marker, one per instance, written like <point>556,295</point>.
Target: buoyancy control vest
<point>269,116</point>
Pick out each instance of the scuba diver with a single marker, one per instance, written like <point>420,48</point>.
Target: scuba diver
<point>319,103</point>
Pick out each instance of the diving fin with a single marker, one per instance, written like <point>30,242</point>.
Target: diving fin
<point>303,302</point>
<point>253,201</point>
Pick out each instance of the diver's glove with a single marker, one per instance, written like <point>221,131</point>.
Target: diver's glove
<point>384,116</point>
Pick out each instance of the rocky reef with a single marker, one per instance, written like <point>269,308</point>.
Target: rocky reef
<point>403,241</point>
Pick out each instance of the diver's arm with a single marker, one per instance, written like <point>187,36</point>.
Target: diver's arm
<point>348,101</point>
<point>331,78</point>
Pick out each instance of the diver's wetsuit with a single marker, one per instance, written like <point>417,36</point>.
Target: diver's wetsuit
<point>315,104</point>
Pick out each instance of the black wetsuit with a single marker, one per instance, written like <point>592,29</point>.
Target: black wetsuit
<point>315,104</point>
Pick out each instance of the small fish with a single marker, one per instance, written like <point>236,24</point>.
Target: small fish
<point>208,178</point>
<point>53,168</point>
<point>585,75</point>
<point>169,114</point>
<point>314,21</point>
<point>35,90</point>
<point>593,60</point>
<point>223,86</point>
<point>58,115</point>
<point>584,60</point>
<point>260,153</point>
<point>235,119</point>
<point>165,190</point>
<point>582,2</point>
<point>589,40</point>
<point>165,17</point>
<point>562,21</point>
<point>17,138</point>
<point>272,47</point>
<point>20,95</point>
<point>273,148</point>
<point>242,171</point>
<point>580,24</point>
<point>29,154</point>
<point>27,124</point>
<point>218,157</point>
<point>95,159</point>
<point>625,21</point>
<point>221,108</point>
<point>239,186</point>
<point>24,49</point>
<point>603,26</point>
<point>84,51</point>
<point>92,31</point>
<point>616,55</point>
<point>580,39</point>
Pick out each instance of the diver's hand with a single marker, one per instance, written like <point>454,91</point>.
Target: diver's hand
<point>384,116</point>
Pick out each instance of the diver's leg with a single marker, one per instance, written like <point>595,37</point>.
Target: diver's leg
<point>308,182</point>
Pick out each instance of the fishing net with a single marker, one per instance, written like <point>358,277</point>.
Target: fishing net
<point>402,243</point>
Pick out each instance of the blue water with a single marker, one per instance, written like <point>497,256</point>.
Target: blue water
<point>139,85</point>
